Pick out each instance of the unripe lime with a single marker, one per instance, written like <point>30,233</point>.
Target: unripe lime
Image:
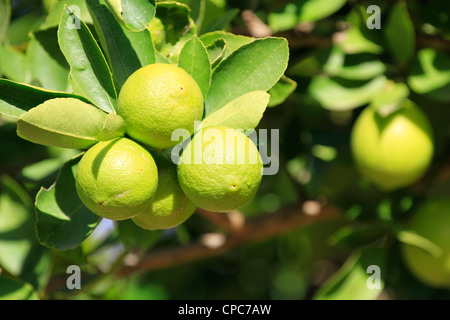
<point>220,169</point>
<point>117,179</point>
<point>158,99</point>
<point>431,220</point>
<point>393,151</point>
<point>170,206</point>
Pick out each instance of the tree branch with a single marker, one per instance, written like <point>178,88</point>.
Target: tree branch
<point>252,230</point>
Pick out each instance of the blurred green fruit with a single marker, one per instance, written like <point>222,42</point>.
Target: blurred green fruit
<point>393,151</point>
<point>432,221</point>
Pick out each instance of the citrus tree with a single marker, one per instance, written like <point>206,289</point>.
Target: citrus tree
<point>211,149</point>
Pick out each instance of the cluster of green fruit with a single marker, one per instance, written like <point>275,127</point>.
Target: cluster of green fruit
<point>135,178</point>
<point>393,152</point>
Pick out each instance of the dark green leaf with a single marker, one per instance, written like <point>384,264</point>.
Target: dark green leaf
<point>18,98</point>
<point>68,123</point>
<point>127,51</point>
<point>195,60</point>
<point>63,222</point>
<point>400,34</point>
<point>253,67</point>
<point>222,22</point>
<point>88,68</point>
<point>136,238</point>
<point>13,289</point>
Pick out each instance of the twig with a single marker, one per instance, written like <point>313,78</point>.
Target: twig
<point>253,230</point>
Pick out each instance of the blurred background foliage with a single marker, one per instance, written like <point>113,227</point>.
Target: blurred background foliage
<point>337,67</point>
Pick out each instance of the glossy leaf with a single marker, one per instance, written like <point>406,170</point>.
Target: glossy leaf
<point>134,14</point>
<point>68,123</point>
<point>88,68</point>
<point>216,51</point>
<point>194,59</point>
<point>63,222</point>
<point>17,98</point>
<point>127,51</point>
<point>244,112</point>
<point>253,67</point>
<point>341,94</point>
<point>45,69</point>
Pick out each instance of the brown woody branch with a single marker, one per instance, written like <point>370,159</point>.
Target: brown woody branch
<point>250,230</point>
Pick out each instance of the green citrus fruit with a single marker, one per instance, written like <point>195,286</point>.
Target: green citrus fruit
<point>117,179</point>
<point>220,169</point>
<point>431,220</point>
<point>170,206</point>
<point>393,151</point>
<point>158,99</point>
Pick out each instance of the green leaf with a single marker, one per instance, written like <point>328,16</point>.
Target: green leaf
<point>13,289</point>
<point>233,41</point>
<point>281,91</point>
<point>341,94</point>
<point>134,14</point>
<point>216,50</point>
<point>430,74</point>
<point>88,68</point>
<point>21,255</point>
<point>353,66</point>
<point>313,10</point>
<point>354,280</point>
<point>18,98</point>
<point>253,67</point>
<point>13,64</point>
<point>178,28</point>
<point>68,123</point>
<point>20,28</point>
<point>127,51</point>
<point>5,14</point>
<point>284,19</point>
<point>195,60</point>
<point>222,22</point>
<point>54,15</point>
<point>399,33</point>
<point>358,38</point>
<point>45,69</point>
<point>136,238</point>
<point>390,98</point>
<point>414,239</point>
<point>63,222</point>
<point>244,112</point>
